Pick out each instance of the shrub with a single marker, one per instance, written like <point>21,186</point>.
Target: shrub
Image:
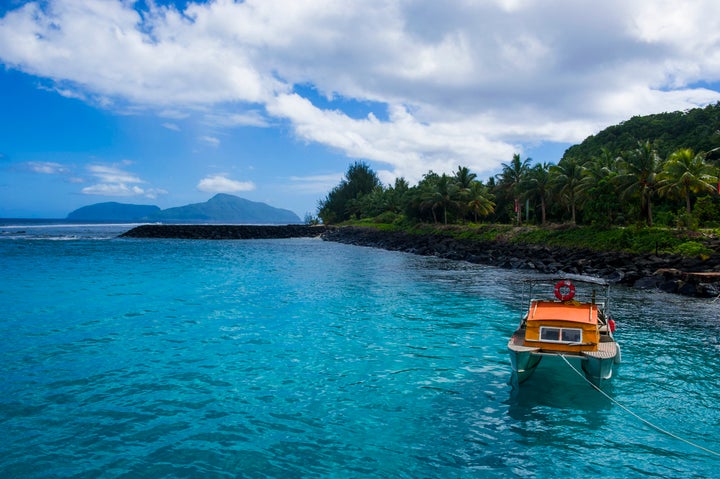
<point>687,221</point>
<point>693,248</point>
<point>387,218</point>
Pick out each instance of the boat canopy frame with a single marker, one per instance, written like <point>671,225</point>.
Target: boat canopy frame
<point>599,292</point>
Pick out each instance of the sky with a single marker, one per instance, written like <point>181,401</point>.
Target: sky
<point>171,102</point>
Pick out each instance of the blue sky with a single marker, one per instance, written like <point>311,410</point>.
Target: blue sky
<point>169,103</point>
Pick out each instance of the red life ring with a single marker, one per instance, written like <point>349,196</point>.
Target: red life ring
<point>560,294</point>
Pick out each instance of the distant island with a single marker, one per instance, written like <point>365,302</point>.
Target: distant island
<point>221,208</point>
<point>112,211</point>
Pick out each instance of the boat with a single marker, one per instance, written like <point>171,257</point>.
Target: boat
<point>569,318</point>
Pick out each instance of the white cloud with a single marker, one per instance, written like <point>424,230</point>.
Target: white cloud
<point>112,174</point>
<point>410,147</point>
<point>116,189</point>
<point>315,184</point>
<point>114,181</point>
<point>161,59</point>
<point>47,167</point>
<point>173,114</point>
<point>461,82</point>
<point>223,184</point>
<point>248,118</point>
<point>153,193</point>
<point>171,126</point>
<point>211,140</point>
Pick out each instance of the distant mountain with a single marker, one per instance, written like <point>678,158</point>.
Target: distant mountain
<point>224,208</point>
<point>112,211</point>
<point>221,208</point>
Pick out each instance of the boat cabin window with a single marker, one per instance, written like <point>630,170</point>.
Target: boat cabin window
<point>560,335</point>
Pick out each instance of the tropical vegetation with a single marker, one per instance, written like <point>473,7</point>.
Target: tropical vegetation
<point>666,177</point>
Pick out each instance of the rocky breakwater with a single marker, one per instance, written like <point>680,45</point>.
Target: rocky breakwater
<point>671,273</point>
<point>224,232</point>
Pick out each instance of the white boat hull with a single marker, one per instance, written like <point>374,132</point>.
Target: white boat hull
<point>524,362</point>
<point>597,366</point>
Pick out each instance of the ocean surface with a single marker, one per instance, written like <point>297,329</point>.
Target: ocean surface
<point>138,358</point>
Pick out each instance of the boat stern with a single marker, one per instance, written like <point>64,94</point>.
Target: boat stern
<point>523,359</point>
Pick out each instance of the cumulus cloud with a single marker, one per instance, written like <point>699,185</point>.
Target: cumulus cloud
<point>160,58</point>
<point>456,82</point>
<point>410,146</point>
<point>114,181</point>
<point>223,184</point>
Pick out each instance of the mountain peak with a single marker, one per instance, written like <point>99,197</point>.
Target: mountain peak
<point>221,208</point>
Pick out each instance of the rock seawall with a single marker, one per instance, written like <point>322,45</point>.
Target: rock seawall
<point>671,273</point>
<point>224,232</point>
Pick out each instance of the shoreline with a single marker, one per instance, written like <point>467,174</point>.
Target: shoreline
<point>670,273</point>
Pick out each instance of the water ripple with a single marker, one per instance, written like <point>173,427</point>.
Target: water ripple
<point>311,359</point>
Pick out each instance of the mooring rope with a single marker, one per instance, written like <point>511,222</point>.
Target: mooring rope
<point>644,421</point>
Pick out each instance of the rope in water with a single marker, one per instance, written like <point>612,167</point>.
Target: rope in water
<point>644,421</point>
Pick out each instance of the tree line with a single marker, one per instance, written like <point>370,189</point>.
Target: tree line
<point>637,185</point>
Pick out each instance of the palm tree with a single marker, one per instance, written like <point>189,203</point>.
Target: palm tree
<point>426,194</point>
<point>438,193</point>
<point>537,184</point>
<point>600,166</point>
<point>464,178</point>
<point>445,194</point>
<point>639,169</point>
<point>567,177</point>
<point>512,177</point>
<point>396,195</point>
<point>599,184</point>
<point>463,182</point>
<point>685,173</point>
<point>481,200</point>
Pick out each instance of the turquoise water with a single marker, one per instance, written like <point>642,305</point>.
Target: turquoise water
<point>127,358</point>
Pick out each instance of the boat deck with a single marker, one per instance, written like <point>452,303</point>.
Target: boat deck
<point>606,350</point>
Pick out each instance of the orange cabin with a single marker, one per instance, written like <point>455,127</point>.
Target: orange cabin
<point>566,326</point>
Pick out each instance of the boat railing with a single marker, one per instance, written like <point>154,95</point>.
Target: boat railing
<point>588,290</point>
<point>599,304</point>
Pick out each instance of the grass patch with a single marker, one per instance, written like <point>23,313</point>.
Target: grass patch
<point>629,239</point>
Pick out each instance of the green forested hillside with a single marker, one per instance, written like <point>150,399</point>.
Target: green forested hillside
<point>698,129</point>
